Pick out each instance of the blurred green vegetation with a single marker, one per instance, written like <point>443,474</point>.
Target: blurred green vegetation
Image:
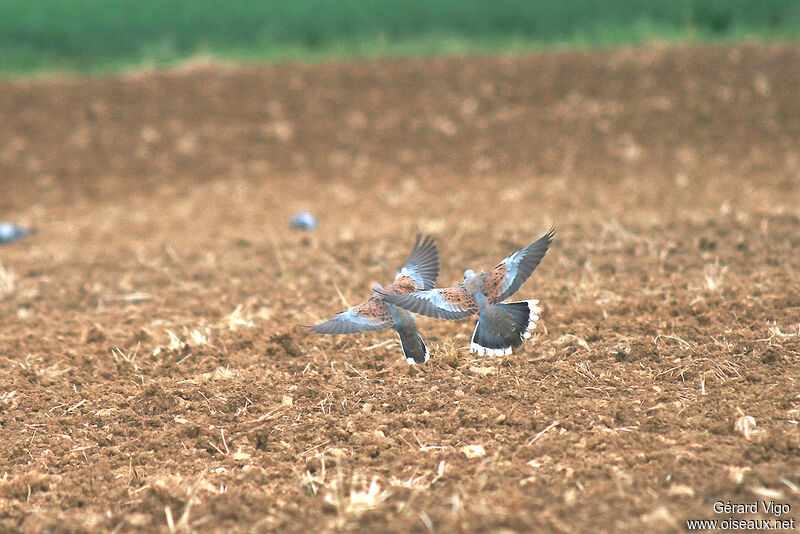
<point>99,35</point>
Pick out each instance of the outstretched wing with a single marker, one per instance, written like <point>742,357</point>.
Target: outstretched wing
<point>371,315</point>
<point>421,269</point>
<point>442,303</point>
<point>508,276</point>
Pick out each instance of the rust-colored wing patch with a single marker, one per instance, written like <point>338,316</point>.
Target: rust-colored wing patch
<point>403,285</point>
<point>375,308</point>
<point>493,282</point>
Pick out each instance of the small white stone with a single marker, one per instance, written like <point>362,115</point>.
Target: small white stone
<point>473,451</point>
<point>481,351</point>
<point>526,335</point>
<point>508,351</point>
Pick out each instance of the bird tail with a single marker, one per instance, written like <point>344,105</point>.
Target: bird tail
<point>414,348</point>
<point>504,327</point>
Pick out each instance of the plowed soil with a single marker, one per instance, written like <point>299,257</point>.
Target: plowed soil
<point>153,376</point>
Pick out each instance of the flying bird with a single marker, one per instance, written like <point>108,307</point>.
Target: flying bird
<point>418,273</point>
<point>500,327</point>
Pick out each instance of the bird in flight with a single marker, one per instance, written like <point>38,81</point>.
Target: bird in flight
<point>501,327</point>
<point>418,273</point>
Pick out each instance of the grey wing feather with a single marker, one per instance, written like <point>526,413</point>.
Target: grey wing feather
<point>432,303</point>
<point>423,264</point>
<point>520,265</point>
<point>350,322</point>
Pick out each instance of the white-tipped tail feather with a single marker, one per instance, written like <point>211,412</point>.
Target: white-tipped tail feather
<point>533,304</point>
<point>410,359</point>
<point>534,311</point>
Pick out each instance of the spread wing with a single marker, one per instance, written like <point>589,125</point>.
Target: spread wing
<point>441,303</point>
<point>421,269</point>
<point>508,276</point>
<point>371,315</point>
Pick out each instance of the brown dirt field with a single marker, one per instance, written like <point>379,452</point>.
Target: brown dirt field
<point>153,376</point>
